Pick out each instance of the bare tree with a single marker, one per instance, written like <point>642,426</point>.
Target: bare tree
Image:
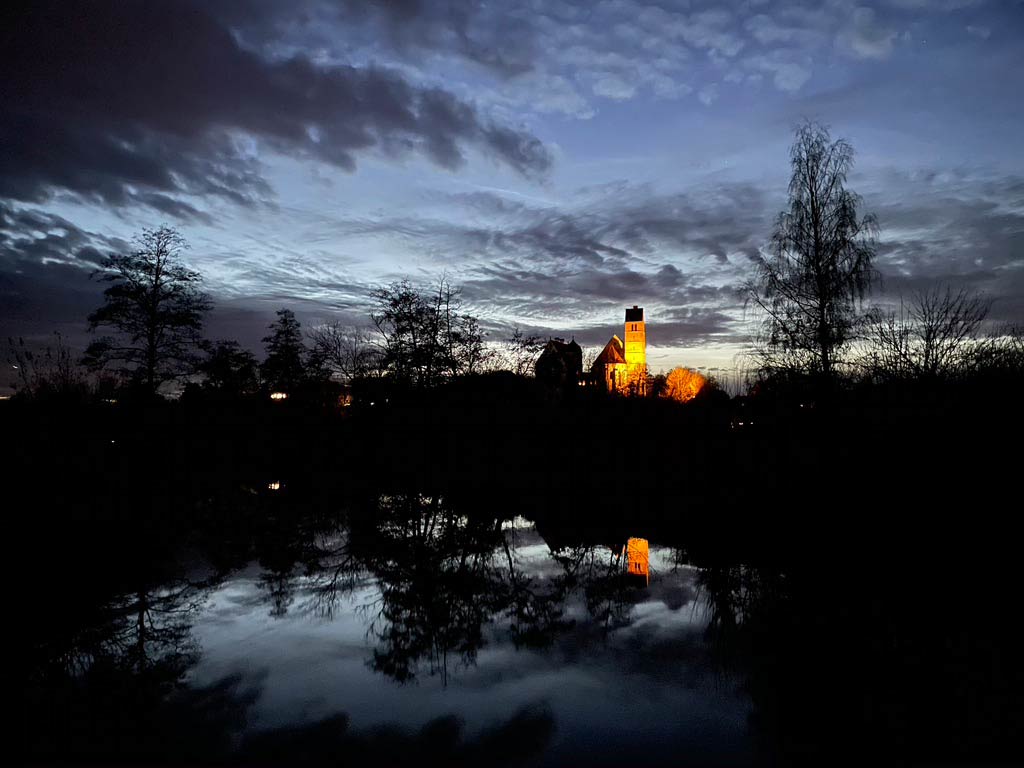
<point>810,287</point>
<point>521,351</point>
<point>935,335</point>
<point>347,351</point>
<point>425,338</point>
<point>50,371</point>
<point>155,306</point>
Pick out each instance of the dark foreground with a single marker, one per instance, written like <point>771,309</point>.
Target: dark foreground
<point>255,584</point>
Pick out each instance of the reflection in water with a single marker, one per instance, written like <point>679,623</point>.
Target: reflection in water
<point>110,688</point>
<point>438,584</point>
<point>474,618</point>
<point>638,559</point>
<point>413,630</point>
<point>138,632</point>
<point>443,577</point>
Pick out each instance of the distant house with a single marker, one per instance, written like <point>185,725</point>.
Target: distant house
<point>560,365</point>
<point>622,367</point>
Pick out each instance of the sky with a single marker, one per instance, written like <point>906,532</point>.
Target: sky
<point>558,160</point>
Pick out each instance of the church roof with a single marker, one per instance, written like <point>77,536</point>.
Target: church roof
<point>613,352</point>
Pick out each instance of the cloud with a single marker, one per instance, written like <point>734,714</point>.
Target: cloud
<point>411,30</point>
<point>935,5</point>
<point>866,36</point>
<point>45,263</point>
<point>614,87</point>
<point>958,228</point>
<point>788,76</point>
<point>708,94</point>
<point>148,102</point>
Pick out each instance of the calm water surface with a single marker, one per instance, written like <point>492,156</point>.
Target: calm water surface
<point>556,648</point>
<point>409,629</point>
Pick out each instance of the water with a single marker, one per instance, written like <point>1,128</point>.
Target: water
<point>623,670</point>
<point>409,629</point>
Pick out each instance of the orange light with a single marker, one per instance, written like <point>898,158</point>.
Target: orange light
<point>274,486</point>
<point>278,395</point>
<point>682,385</point>
<point>638,558</point>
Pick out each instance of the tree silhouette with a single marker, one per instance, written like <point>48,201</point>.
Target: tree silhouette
<point>521,352</point>
<point>229,369</point>
<point>934,336</point>
<point>820,264</point>
<point>426,338</point>
<point>52,371</point>
<point>285,367</point>
<point>347,352</point>
<point>155,306</point>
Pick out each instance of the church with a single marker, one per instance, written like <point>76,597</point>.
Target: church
<point>622,367</point>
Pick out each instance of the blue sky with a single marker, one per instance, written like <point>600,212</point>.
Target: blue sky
<point>558,160</point>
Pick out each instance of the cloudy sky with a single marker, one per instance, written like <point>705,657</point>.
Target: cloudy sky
<point>558,160</point>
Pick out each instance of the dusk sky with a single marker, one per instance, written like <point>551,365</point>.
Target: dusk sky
<point>558,160</point>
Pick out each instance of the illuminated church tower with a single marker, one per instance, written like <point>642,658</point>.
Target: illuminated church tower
<point>622,367</point>
<point>636,349</point>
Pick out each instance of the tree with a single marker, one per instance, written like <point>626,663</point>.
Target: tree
<point>284,370</point>
<point>156,308</point>
<point>229,369</point>
<point>819,267</point>
<point>52,371</point>
<point>934,336</point>
<point>521,352</point>
<point>682,385</point>
<point>425,339</point>
<point>347,352</point>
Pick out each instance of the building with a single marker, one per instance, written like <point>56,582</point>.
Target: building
<point>560,365</point>
<point>622,366</point>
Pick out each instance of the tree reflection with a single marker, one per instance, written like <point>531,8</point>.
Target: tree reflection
<point>597,570</point>
<point>137,631</point>
<point>536,608</point>
<point>849,663</point>
<point>438,581</point>
<point>443,577</point>
<point>110,687</point>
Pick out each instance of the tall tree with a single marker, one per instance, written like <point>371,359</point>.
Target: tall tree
<point>820,262</point>
<point>285,367</point>
<point>156,309</point>
<point>426,338</point>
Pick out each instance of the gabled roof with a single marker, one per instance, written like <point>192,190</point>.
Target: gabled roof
<point>613,352</point>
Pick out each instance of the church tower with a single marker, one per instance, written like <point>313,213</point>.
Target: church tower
<point>636,349</point>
